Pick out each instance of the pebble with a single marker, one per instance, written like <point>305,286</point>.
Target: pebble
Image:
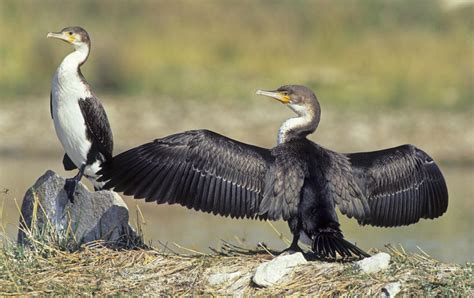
<point>375,263</point>
<point>271,273</point>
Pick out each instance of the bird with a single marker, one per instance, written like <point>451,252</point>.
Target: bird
<point>79,118</point>
<point>298,180</point>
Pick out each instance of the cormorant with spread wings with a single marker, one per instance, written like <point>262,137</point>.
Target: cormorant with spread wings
<point>298,181</point>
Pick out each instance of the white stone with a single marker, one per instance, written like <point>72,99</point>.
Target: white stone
<point>270,273</point>
<point>391,289</point>
<point>219,278</point>
<point>374,263</point>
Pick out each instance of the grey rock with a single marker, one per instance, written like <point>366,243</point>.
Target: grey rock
<point>220,278</point>
<point>101,215</point>
<point>391,289</point>
<point>271,273</point>
<point>374,263</point>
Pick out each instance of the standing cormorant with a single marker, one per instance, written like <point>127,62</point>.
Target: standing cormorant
<point>79,119</point>
<point>298,181</point>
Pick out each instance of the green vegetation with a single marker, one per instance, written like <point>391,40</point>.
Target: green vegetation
<point>392,53</point>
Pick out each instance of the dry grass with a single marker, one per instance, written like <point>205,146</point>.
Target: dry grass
<point>97,270</point>
<point>48,266</point>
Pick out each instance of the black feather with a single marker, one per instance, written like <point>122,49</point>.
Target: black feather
<point>68,164</point>
<point>98,127</point>
<point>406,185</point>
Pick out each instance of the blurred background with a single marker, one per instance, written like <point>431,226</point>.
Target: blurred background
<point>386,73</point>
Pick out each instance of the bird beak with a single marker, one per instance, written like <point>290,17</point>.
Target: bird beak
<point>60,35</point>
<point>276,95</point>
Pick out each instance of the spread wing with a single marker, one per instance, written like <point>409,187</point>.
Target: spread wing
<point>98,127</point>
<point>401,185</point>
<point>340,185</point>
<point>198,169</point>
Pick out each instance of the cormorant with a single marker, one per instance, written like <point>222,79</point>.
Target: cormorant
<point>79,119</point>
<point>298,181</point>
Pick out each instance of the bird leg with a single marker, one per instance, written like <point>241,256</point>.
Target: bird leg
<point>295,227</point>
<point>294,247</point>
<point>71,183</point>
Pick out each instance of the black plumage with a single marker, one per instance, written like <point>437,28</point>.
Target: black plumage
<point>98,130</point>
<point>68,163</point>
<point>297,181</point>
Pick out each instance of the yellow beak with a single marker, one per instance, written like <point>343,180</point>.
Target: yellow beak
<point>276,95</point>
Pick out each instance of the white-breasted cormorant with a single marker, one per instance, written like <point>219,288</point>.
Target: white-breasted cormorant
<point>79,119</point>
<point>298,180</point>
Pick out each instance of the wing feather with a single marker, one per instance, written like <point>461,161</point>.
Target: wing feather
<point>401,185</point>
<point>98,127</point>
<point>197,169</point>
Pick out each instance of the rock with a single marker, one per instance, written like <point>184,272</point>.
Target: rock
<point>391,289</point>
<point>220,278</point>
<point>374,263</point>
<point>100,215</point>
<point>270,273</point>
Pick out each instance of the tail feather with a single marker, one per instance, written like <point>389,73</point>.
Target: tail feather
<point>330,244</point>
<point>97,185</point>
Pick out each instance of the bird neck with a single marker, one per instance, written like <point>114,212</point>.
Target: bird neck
<point>78,57</point>
<point>72,62</point>
<point>69,75</point>
<point>299,127</point>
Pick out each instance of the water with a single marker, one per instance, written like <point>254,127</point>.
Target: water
<point>448,238</point>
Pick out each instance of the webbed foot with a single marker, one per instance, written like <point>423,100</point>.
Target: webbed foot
<point>291,250</point>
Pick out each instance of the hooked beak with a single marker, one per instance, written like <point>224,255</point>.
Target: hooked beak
<point>276,95</point>
<point>60,35</point>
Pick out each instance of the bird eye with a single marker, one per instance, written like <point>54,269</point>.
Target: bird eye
<point>70,33</point>
<point>284,93</point>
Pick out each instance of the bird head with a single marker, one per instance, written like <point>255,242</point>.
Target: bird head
<point>76,36</point>
<point>298,98</point>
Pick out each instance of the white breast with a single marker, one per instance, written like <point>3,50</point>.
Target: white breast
<point>67,89</point>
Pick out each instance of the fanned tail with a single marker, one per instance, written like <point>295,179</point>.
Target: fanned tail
<point>329,243</point>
